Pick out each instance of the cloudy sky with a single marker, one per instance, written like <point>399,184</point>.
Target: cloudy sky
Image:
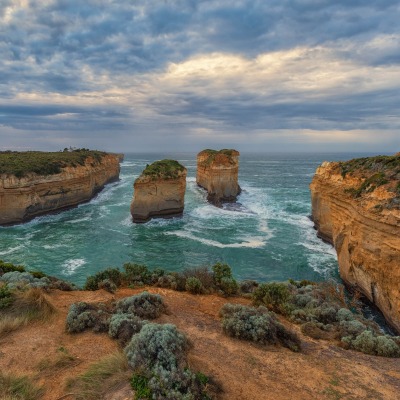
<point>152,75</point>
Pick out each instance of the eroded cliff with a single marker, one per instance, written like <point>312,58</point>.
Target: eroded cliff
<point>25,195</point>
<point>356,207</point>
<point>159,191</point>
<point>217,172</point>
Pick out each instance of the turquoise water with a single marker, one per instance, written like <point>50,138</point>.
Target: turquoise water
<point>267,236</point>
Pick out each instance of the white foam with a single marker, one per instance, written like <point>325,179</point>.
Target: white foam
<point>78,220</point>
<point>250,242</point>
<point>54,246</point>
<point>71,265</point>
<point>11,250</point>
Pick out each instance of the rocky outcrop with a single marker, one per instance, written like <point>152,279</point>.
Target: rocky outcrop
<point>356,207</point>
<point>23,198</point>
<point>159,191</point>
<point>217,172</point>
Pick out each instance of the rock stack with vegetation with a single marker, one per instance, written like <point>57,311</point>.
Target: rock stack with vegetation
<point>217,172</point>
<point>356,207</point>
<point>34,183</point>
<point>159,191</point>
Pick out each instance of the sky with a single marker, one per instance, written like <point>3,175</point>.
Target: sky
<point>164,75</point>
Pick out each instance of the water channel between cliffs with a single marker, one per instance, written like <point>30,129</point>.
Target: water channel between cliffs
<point>267,236</point>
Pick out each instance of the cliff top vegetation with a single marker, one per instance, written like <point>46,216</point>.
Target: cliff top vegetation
<point>375,171</point>
<point>164,169</point>
<point>44,163</point>
<point>213,155</point>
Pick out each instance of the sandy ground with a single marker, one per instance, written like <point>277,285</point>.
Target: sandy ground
<point>244,370</point>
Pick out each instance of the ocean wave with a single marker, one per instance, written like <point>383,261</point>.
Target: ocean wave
<point>78,220</point>
<point>11,250</point>
<point>250,242</point>
<point>55,246</point>
<point>71,265</point>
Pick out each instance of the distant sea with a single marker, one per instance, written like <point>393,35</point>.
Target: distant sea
<point>266,236</point>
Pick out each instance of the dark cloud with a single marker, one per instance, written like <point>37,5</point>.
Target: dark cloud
<point>89,48</point>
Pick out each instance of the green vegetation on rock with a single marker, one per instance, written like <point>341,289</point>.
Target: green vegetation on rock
<point>211,154</point>
<point>163,169</point>
<point>44,163</point>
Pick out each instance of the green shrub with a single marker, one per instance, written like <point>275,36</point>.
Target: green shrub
<point>368,343</point>
<point>6,297</point>
<point>203,274</point>
<point>123,326</point>
<point>256,325</point>
<point>161,346</point>
<point>136,274</point>
<point>168,281</point>
<point>107,285</point>
<point>166,169</point>
<point>83,315</point>
<point>112,274</point>
<point>224,280</point>
<point>248,286</point>
<point>228,286</point>
<point>273,295</point>
<point>194,286</point>
<point>9,267</point>
<point>144,305</point>
<point>158,356</point>
<point>317,330</point>
<point>140,384</point>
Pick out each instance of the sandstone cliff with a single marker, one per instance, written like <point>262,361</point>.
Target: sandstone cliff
<point>356,207</point>
<point>23,198</point>
<point>217,172</point>
<point>159,191</point>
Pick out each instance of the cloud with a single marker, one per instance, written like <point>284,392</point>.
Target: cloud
<point>196,71</point>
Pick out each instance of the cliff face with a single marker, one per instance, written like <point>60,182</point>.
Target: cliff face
<point>22,199</point>
<point>355,206</point>
<point>160,194</point>
<point>217,172</point>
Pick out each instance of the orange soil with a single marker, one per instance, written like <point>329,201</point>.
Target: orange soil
<point>244,370</point>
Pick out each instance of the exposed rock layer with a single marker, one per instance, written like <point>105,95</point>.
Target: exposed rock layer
<point>22,199</point>
<point>217,172</point>
<point>364,227</point>
<point>158,196</point>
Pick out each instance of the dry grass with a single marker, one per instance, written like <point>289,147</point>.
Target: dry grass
<point>101,377</point>
<point>18,388</point>
<point>27,306</point>
<point>63,359</point>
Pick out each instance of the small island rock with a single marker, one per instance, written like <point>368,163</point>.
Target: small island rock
<point>217,172</point>
<point>159,191</point>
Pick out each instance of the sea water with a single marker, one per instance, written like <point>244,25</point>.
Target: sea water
<point>266,236</point>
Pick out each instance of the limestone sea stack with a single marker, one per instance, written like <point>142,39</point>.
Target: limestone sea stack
<point>217,172</point>
<point>35,183</point>
<point>159,191</point>
<point>356,207</point>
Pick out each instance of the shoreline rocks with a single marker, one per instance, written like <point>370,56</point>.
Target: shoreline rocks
<point>355,207</point>
<point>217,172</point>
<point>159,191</point>
<point>24,198</point>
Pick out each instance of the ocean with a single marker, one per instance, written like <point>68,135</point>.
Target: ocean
<point>266,236</point>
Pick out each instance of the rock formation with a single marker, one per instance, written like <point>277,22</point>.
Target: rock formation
<point>159,191</point>
<point>23,198</point>
<point>356,207</point>
<point>217,172</point>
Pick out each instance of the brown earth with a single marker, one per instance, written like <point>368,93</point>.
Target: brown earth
<point>365,233</point>
<point>244,370</point>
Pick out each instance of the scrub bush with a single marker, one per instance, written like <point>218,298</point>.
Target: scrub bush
<point>123,326</point>
<point>108,286</point>
<point>202,274</point>
<point>274,296</point>
<point>248,286</point>
<point>224,280</point>
<point>83,315</point>
<point>256,325</point>
<point>6,297</point>
<point>112,274</point>
<point>158,356</point>
<point>194,286</point>
<point>9,267</point>
<point>143,305</point>
<point>23,280</point>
